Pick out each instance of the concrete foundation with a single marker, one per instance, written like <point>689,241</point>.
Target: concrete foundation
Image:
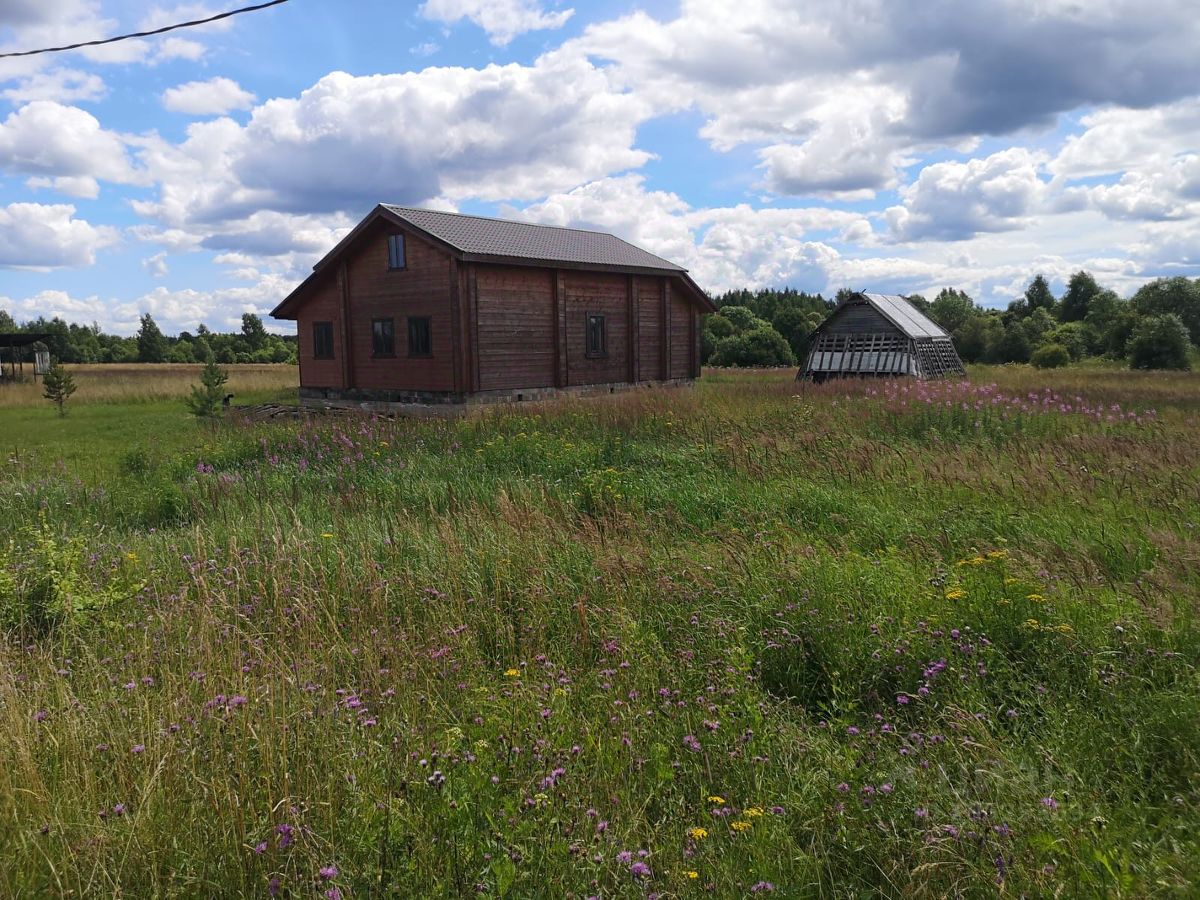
<point>451,404</point>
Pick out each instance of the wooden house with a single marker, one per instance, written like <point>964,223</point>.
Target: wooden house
<point>879,335</point>
<point>417,308</point>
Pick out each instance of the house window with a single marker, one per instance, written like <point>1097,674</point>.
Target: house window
<point>383,337</point>
<point>322,340</point>
<point>420,342</point>
<point>396,258</point>
<point>597,339</point>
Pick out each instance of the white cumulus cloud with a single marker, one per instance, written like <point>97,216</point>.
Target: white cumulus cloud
<point>37,236</point>
<point>207,98</point>
<point>503,20</point>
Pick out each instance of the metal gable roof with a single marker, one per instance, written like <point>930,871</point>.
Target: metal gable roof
<point>480,236</point>
<point>905,316</point>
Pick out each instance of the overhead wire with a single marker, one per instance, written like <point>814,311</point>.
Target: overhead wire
<point>143,34</point>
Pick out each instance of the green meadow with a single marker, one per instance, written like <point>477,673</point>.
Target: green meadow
<point>749,637</point>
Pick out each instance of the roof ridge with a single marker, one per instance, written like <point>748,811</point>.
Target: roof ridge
<point>444,212</point>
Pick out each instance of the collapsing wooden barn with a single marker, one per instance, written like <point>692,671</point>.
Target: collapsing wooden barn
<point>879,335</point>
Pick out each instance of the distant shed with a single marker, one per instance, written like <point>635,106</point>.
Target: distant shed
<point>879,335</point>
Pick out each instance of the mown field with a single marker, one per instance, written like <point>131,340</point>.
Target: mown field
<point>747,638</point>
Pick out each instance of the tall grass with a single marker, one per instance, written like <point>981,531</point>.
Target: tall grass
<point>753,637</point>
<point>147,382</point>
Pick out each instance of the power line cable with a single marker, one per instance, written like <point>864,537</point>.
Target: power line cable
<point>142,34</point>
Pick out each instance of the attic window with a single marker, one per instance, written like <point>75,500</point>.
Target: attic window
<point>396,257</point>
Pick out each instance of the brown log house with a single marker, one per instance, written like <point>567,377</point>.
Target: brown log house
<point>419,309</point>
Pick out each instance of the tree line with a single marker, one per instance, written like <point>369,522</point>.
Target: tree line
<point>71,343</point>
<point>1157,328</point>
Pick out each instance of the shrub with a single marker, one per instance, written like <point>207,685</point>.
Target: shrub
<point>1051,356</point>
<point>760,346</point>
<point>1159,342</point>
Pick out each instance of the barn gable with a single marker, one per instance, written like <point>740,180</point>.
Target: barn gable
<point>880,335</point>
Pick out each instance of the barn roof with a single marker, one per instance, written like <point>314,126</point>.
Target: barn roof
<point>481,239</point>
<point>482,236</point>
<point>904,316</point>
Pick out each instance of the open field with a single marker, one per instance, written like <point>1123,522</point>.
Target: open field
<point>144,382</point>
<point>745,638</point>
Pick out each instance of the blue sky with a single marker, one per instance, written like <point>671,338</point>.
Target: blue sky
<point>874,144</point>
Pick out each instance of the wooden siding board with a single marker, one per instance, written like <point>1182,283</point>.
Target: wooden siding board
<point>649,328</point>
<point>422,289</point>
<point>516,328</point>
<point>325,305</point>
<point>596,292</point>
<point>681,336</point>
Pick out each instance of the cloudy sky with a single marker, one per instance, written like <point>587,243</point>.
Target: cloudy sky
<point>896,145</point>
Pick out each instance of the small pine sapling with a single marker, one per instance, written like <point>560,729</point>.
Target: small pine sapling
<point>57,385</point>
<point>207,397</point>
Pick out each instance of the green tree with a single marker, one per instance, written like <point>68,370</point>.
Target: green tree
<point>1172,295</point>
<point>7,324</point>
<point>208,396</point>
<point>1076,302</point>
<point>1160,342</point>
<point>1051,356</point>
<point>57,386</point>
<point>952,308</point>
<point>1038,296</point>
<point>1013,345</point>
<point>978,337</point>
<point>152,346</point>
<point>252,330</point>
<point>1072,335</point>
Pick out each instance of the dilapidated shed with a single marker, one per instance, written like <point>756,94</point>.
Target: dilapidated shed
<point>879,335</point>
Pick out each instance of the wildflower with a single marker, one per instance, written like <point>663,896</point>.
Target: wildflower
<point>327,534</point>
<point>260,848</point>
<point>138,748</point>
<point>691,743</point>
<point>956,594</point>
<point>741,825</point>
<point>762,887</point>
<point>715,799</point>
<point>328,873</point>
<point>1031,624</point>
<point>511,673</point>
<point>333,894</point>
<point>639,870</point>
<point>119,809</point>
<point>1050,803</point>
<point>624,857</point>
<point>691,876</point>
<point>754,812</point>
<point>697,833</point>
<point>1035,598</point>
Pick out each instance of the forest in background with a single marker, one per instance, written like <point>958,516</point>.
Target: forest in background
<point>1157,328</point>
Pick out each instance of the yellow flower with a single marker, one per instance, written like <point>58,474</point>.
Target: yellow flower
<point>1010,581</point>
<point>754,812</point>
<point>697,833</point>
<point>1036,598</point>
<point>692,875</point>
<point>997,554</point>
<point>740,825</point>
<point>1064,628</point>
<point>1031,623</point>
<point>715,799</point>
<point>131,556</point>
<point>956,594</point>
<point>326,534</point>
<point>511,673</point>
